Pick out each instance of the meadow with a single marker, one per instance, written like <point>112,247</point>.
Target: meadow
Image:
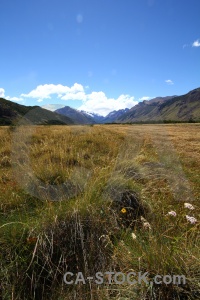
<point>98,198</point>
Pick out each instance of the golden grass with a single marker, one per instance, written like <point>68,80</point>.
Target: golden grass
<point>58,190</point>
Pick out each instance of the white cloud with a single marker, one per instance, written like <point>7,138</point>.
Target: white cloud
<point>45,91</point>
<point>97,102</point>
<point>15,99</point>
<point>74,96</point>
<point>144,98</point>
<point>169,81</point>
<point>196,43</point>
<point>2,92</point>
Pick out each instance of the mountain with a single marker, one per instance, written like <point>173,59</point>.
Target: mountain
<point>83,117</point>
<point>158,100</point>
<point>96,117</point>
<point>113,115</point>
<point>174,108</point>
<point>185,108</point>
<point>78,117</point>
<point>11,113</point>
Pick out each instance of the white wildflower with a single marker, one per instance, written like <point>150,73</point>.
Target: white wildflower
<point>143,219</point>
<point>171,213</point>
<point>146,225</point>
<point>133,236</point>
<point>192,220</point>
<point>189,206</point>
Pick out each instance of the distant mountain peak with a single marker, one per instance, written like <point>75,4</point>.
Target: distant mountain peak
<point>78,117</point>
<point>85,117</point>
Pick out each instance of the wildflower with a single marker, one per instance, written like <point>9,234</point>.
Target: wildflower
<point>189,206</point>
<point>133,236</point>
<point>123,210</point>
<point>192,220</point>
<point>171,213</point>
<point>146,225</point>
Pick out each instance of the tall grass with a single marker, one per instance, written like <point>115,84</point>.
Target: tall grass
<point>95,199</point>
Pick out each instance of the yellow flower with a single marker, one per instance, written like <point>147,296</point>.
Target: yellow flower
<point>123,210</point>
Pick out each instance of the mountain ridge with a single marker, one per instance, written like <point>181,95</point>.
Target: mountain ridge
<point>184,108</point>
<point>77,116</point>
<point>11,113</point>
<point>83,117</point>
<point>174,108</point>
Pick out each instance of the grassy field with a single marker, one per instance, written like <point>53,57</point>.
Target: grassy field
<point>95,199</point>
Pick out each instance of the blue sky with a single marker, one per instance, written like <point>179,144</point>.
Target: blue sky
<point>98,55</point>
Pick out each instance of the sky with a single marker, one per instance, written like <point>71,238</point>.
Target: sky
<point>98,55</point>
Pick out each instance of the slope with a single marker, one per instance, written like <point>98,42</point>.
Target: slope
<point>11,113</point>
<point>77,116</point>
<point>176,108</point>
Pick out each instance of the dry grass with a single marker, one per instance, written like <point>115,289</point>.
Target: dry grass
<point>71,196</point>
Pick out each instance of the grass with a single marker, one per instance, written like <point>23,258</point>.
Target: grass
<point>72,197</point>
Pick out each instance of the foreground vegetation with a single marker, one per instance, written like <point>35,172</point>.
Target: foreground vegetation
<point>95,199</point>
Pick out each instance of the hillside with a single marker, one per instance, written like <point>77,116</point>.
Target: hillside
<point>176,108</point>
<point>83,117</point>
<point>113,115</point>
<point>11,113</point>
<point>78,117</point>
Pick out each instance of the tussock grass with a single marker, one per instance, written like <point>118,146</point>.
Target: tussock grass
<point>96,198</point>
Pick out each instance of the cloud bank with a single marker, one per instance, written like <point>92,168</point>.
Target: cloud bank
<point>96,102</point>
<point>99,103</point>
<point>63,92</point>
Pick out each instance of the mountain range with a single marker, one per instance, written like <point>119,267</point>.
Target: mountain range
<point>175,108</point>
<point>185,108</point>
<point>83,117</point>
<point>11,113</point>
